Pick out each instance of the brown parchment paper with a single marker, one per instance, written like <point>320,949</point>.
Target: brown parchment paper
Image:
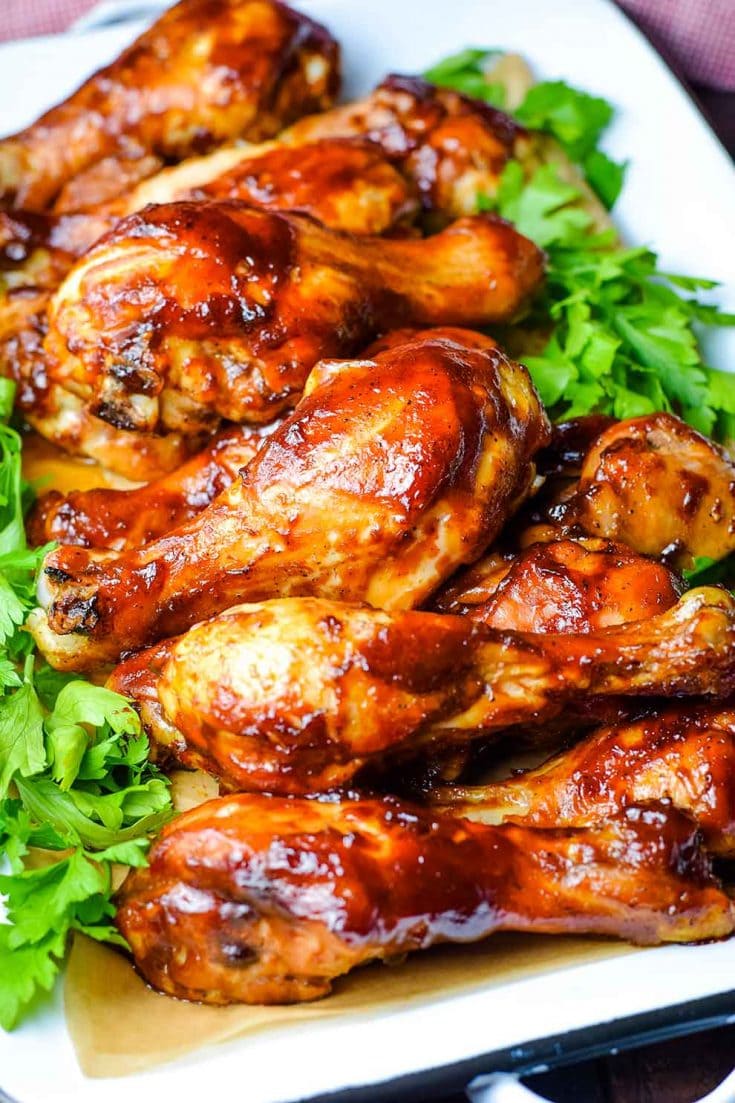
<point>120,1026</point>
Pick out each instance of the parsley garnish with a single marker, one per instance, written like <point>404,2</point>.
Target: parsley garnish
<point>466,72</point>
<point>577,121</point>
<point>574,118</point>
<point>75,781</point>
<point>623,339</point>
<point>618,333</point>
<point>711,572</point>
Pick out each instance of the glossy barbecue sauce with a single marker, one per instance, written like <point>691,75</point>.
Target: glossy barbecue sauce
<point>207,71</point>
<point>427,106</point>
<point>439,408</point>
<point>237,256</point>
<point>381,877</point>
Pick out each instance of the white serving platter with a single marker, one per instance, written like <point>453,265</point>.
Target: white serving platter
<point>679,198</point>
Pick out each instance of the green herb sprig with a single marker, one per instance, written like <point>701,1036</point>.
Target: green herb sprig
<point>621,334</point>
<point>623,340</point>
<point>467,72</point>
<point>706,571</point>
<point>75,781</point>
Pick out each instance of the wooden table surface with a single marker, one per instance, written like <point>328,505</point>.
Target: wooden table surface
<point>685,1069</point>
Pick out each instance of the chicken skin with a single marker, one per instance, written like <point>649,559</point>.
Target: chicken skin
<point>222,307</point>
<point>683,755</point>
<point>562,586</point>
<point>570,443</point>
<point>37,249</point>
<point>391,473</point>
<point>118,519</point>
<point>259,899</point>
<point>453,147</point>
<point>298,694</point>
<point>206,72</point>
<point>62,417</point>
<point>660,487</point>
<point>446,147</point>
<point>347,184</point>
<point>361,168</point>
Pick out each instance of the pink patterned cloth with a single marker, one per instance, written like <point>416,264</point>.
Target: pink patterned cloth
<point>22,18</point>
<point>697,35</point>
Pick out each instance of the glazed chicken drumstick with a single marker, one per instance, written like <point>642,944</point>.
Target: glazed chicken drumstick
<point>657,485</point>
<point>297,695</point>
<point>560,586</point>
<point>647,487</point>
<point>452,146</point>
<point>265,900</point>
<point>683,755</point>
<point>348,184</point>
<point>118,519</point>
<point>344,184</point>
<point>207,71</point>
<point>406,144</point>
<point>219,307</point>
<point>391,473</point>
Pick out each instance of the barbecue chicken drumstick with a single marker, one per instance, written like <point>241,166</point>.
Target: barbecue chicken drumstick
<point>648,487</point>
<point>224,308</point>
<point>118,519</point>
<point>264,900</point>
<point>206,72</point>
<point>657,485</point>
<point>453,147</point>
<point>560,586</point>
<point>297,695</point>
<point>449,148</point>
<point>348,185</point>
<point>683,755</point>
<point>406,144</point>
<point>390,474</point>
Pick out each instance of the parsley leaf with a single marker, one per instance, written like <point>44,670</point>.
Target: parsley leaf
<point>22,749</point>
<point>623,340</point>
<point>43,906</point>
<point>467,72</point>
<point>53,891</point>
<point>605,176</point>
<point>546,212</point>
<point>26,970</point>
<point>75,780</point>
<point>574,118</point>
<point>77,706</point>
<point>621,333</point>
<point>711,572</point>
<point>84,788</point>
